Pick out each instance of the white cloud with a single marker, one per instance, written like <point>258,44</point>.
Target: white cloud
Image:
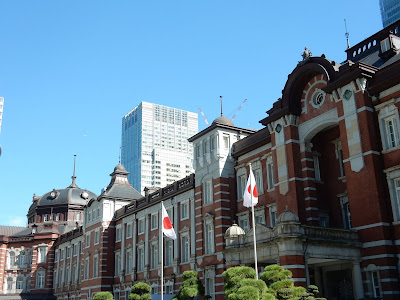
<point>17,221</point>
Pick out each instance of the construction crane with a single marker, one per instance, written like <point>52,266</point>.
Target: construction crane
<point>204,117</point>
<point>240,107</point>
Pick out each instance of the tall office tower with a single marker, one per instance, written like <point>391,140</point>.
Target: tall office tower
<point>390,11</point>
<point>155,149</point>
<point>1,110</point>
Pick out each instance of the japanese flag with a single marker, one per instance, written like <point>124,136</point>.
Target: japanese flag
<point>250,197</point>
<point>167,228</point>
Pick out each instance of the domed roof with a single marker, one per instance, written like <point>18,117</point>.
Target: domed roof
<point>287,216</point>
<point>71,195</point>
<point>234,231</point>
<point>223,121</point>
<point>119,167</point>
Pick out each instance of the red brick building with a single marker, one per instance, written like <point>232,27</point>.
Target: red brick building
<point>327,167</point>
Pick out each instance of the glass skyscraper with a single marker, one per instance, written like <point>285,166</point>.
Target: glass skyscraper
<point>154,148</point>
<point>390,11</point>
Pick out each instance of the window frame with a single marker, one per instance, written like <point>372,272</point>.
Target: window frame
<point>208,192</point>
<point>154,221</point>
<point>182,206</point>
<point>141,225</point>
<point>185,251</point>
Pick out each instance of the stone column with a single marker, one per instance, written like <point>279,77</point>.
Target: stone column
<point>318,280</point>
<point>357,280</point>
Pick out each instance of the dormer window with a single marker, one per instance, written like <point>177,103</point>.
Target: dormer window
<point>389,46</point>
<point>385,45</point>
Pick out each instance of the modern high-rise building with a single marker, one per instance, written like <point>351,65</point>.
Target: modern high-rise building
<point>155,148</point>
<point>390,11</point>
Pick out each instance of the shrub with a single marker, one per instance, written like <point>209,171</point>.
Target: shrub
<point>103,296</point>
<point>140,291</point>
<point>191,286</point>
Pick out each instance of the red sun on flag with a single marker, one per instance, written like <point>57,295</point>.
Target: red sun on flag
<point>167,223</point>
<point>255,193</point>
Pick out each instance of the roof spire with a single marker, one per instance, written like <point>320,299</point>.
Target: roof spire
<point>347,34</point>
<point>73,184</point>
<point>220,97</point>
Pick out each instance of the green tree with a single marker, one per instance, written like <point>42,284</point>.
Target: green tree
<point>241,283</point>
<point>191,286</point>
<point>103,296</point>
<point>140,291</point>
<point>281,287</point>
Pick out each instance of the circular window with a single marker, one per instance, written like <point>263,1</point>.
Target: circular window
<point>318,99</point>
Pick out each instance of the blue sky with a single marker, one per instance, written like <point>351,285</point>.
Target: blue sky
<point>70,70</point>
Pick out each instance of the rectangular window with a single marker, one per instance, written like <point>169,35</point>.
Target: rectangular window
<point>392,132</point>
<point>185,248</point>
<point>209,282</point>
<point>154,221</point>
<point>270,175</point>
<point>184,210</point>
<point>128,230</point>
<point>117,263</point>
<point>141,226</point>
<point>346,212</point>
<point>385,45</point>
<point>40,277</point>
<point>97,236</point>
<point>86,270</point>
<point>46,217</point>
<point>42,254</point>
<point>209,238</point>
<point>375,287</point>
<point>140,263</point>
<point>244,223</point>
<point>241,186</point>
<point>95,266</point>
<point>169,289</point>
<point>317,173</point>
<point>128,261</point>
<point>323,219</point>
<point>88,240</point>
<point>118,233</point>
<point>397,190</point>
<point>212,143</point>
<point>77,217</point>
<point>208,196</point>
<point>169,252</point>
<point>272,215</point>
<point>154,256</point>
<point>116,295</point>
<point>226,142</point>
<point>73,279</point>
<point>259,217</point>
<point>259,180</point>
<point>68,252</point>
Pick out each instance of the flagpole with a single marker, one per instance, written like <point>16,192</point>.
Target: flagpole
<point>254,227</point>
<point>162,255</point>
